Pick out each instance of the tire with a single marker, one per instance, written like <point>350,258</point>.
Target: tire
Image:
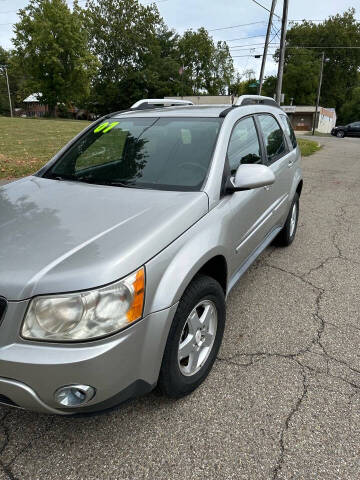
<point>340,134</point>
<point>180,375</point>
<point>287,234</point>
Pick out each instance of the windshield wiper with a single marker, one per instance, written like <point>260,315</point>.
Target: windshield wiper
<point>62,178</point>
<point>122,184</point>
<point>106,182</point>
<point>94,181</point>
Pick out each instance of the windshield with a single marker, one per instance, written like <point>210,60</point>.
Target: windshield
<point>158,153</point>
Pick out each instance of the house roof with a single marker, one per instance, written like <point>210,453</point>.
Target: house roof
<point>33,98</point>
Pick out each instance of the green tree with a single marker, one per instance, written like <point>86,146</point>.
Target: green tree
<point>161,66</point>
<point>341,66</point>
<point>350,110</point>
<point>4,63</point>
<point>196,51</point>
<point>223,71</point>
<point>244,87</point>
<point>125,37</point>
<point>208,67</point>
<point>301,77</point>
<point>51,44</point>
<point>269,86</point>
<point>18,81</point>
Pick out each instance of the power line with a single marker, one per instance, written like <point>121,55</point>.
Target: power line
<point>235,26</point>
<point>243,38</point>
<point>250,45</point>
<point>244,47</point>
<point>265,8</point>
<point>323,47</point>
<point>254,48</point>
<point>158,1</point>
<point>264,21</point>
<point>254,54</point>
<point>275,45</point>
<point>242,56</point>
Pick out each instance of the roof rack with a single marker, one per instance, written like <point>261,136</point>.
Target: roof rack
<point>255,100</point>
<point>227,110</point>
<point>158,102</point>
<point>245,100</point>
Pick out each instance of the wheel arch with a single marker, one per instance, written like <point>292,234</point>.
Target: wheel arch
<point>216,268</point>
<point>185,265</point>
<point>204,248</point>
<point>299,188</point>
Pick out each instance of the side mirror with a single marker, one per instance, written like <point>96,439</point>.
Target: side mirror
<point>249,176</point>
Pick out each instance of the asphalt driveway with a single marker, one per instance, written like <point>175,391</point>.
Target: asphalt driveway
<point>283,400</point>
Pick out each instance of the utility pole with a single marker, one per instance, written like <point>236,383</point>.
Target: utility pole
<point>319,91</point>
<point>282,51</point>
<point>8,89</point>
<point>266,46</point>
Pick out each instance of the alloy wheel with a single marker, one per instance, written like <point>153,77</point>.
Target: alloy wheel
<point>197,337</point>
<point>293,219</point>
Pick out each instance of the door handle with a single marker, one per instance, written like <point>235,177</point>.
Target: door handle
<point>291,163</point>
<point>267,188</point>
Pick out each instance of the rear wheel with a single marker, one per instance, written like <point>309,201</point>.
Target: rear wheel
<point>194,339</point>
<point>287,234</point>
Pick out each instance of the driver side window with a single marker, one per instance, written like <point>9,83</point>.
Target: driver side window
<point>244,146</point>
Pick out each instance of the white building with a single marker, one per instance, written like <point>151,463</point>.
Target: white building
<point>302,118</point>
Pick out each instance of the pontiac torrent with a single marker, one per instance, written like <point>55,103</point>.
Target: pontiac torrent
<point>117,256</point>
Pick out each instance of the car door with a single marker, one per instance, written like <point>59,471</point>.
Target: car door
<point>249,209</point>
<point>355,129</point>
<point>350,130</point>
<point>281,158</point>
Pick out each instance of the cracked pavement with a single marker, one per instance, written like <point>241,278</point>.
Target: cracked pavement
<point>283,399</point>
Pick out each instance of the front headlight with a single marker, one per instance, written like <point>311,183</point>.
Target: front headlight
<point>86,315</point>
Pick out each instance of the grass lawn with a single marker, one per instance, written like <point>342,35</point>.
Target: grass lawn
<point>27,144</point>
<point>308,147</point>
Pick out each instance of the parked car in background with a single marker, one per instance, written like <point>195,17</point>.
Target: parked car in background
<point>117,256</point>
<point>350,130</point>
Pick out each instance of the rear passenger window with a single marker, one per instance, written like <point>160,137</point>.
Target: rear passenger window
<point>273,137</point>
<point>244,146</point>
<point>289,129</point>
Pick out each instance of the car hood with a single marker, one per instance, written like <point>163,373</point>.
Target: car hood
<point>59,236</point>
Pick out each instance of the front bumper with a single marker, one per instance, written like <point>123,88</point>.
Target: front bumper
<point>118,367</point>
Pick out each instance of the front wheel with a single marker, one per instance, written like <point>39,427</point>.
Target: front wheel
<point>340,134</point>
<point>194,339</point>
<point>287,234</point>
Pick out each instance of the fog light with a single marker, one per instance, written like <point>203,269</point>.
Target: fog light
<point>74,395</point>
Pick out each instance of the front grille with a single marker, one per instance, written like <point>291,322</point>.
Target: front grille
<point>3,306</point>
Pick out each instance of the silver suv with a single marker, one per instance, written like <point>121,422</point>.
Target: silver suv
<point>117,256</point>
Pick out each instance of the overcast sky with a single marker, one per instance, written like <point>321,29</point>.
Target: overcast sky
<point>184,14</point>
